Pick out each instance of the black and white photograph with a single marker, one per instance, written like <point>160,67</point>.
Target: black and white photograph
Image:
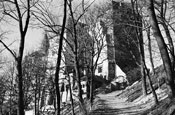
<point>87,57</point>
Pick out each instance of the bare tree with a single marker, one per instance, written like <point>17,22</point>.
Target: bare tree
<point>150,49</point>
<point>46,18</point>
<point>59,59</point>
<point>75,34</point>
<point>162,17</point>
<point>22,16</point>
<point>97,43</point>
<point>139,36</point>
<point>162,48</point>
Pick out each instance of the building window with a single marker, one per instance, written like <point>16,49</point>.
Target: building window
<point>99,69</point>
<point>83,86</point>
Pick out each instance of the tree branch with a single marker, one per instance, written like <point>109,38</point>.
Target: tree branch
<point>13,54</point>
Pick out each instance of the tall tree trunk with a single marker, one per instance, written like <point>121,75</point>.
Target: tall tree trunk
<point>77,71</point>
<point>138,32</point>
<point>170,42</point>
<point>92,77</point>
<point>35,101</point>
<point>42,98</point>
<point>150,51</point>
<point>151,85</point>
<point>80,93</point>
<point>20,87</point>
<point>142,55</point>
<point>88,88</point>
<point>23,31</point>
<point>23,27</point>
<point>59,60</point>
<point>91,87</point>
<point>144,88</point>
<point>36,95</point>
<point>142,58</point>
<point>43,101</point>
<point>162,48</point>
<point>77,67</point>
<point>165,26</point>
<point>71,98</point>
<point>39,94</point>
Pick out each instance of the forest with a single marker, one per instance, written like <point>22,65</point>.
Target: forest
<point>87,57</point>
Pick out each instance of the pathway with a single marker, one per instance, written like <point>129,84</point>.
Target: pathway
<point>110,104</point>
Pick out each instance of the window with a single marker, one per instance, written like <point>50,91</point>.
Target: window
<point>99,69</point>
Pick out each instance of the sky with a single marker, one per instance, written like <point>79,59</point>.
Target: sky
<point>33,39</point>
<point>34,35</point>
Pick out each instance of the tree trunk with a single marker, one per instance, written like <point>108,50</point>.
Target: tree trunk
<point>144,88</point>
<point>35,102</point>
<point>168,35</point>
<point>138,32</point>
<point>23,31</point>
<point>78,80</point>
<point>43,101</point>
<point>91,88</point>
<point>77,69</point>
<point>42,98</point>
<point>142,56</point>
<point>36,95</point>
<point>150,51</point>
<point>88,88</point>
<point>20,87</point>
<point>39,94</point>
<point>162,48</point>
<point>59,60</point>
<point>71,98</point>
<point>81,102</point>
<point>23,27</point>
<point>170,42</point>
<point>151,85</point>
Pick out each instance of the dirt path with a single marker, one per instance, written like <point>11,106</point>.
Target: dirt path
<point>110,104</point>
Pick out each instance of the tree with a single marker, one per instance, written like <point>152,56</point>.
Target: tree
<point>162,48</point>
<point>8,89</point>
<point>47,19</point>
<point>3,90</point>
<point>34,72</point>
<point>22,16</point>
<point>163,22</point>
<point>35,75</point>
<point>150,50</point>
<point>147,71</point>
<point>59,58</point>
<point>75,35</point>
<point>95,45</point>
<point>139,36</point>
<point>71,95</point>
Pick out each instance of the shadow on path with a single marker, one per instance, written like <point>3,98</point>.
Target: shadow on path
<point>109,104</point>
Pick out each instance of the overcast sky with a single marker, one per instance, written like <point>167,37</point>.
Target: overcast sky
<point>34,36</point>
